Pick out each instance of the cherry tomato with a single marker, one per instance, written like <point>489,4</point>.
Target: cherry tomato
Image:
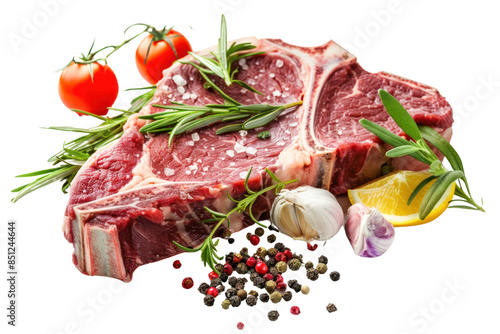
<point>94,94</point>
<point>160,55</point>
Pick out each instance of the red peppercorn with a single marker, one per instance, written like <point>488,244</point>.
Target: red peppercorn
<point>278,278</point>
<point>254,240</point>
<point>177,264</point>
<point>213,291</point>
<point>228,270</point>
<point>311,247</point>
<point>281,286</point>
<point>212,275</point>
<point>288,254</point>
<point>240,325</point>
<point>281,257</point>
<point>268,276</point>
<point>295,310</point>
<point>251,261</point>
<point>187,283</point>
<point>261,268</point>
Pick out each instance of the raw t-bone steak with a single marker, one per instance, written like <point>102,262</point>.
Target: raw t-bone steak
<point>132,198</point>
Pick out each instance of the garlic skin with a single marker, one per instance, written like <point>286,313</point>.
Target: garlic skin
<point>307,213</point>
<point>368,231</point>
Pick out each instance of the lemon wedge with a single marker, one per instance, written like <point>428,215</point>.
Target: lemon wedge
<point>390,193</point>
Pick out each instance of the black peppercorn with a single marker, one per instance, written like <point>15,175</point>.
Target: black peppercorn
<point>335,276</point>
<point>273,271</point>
<point>253,276</point>
<point>273,315</point>
<point>271,262</point>
<point>209,300</point>
<point>232,281</point>
<point>264,297</point>
<point>254,293</point>
<point>219,267</point>
<point>259,282</point>
<point>230,293</point>
<point>244,250</point>
<point>203,288</point>
<point>215,282</point>
<point>323,259</point>
<point>292,282</point>
<point>239,286</point>
<point>312,274</point>
<point>242,280</point>
<point>221,288</point>
<point>287,296</point>
<point>230,240</point>
<point>259,231</point>
<point>249,235</point>
<point>223,277</point>
<point>251,300</point>
<point>297,287</point>
<point>331,308</point>
<point>244,258</point>
<point>309,265</point>
<point>271,238</point>
<point>235,301</point>
<point>279,246</point>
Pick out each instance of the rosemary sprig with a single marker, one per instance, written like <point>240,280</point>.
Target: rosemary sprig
<point>419,150</point>
<point>181,117</point>
<point>222,61</point>
<point>74,153</point>
<point>208,247</point>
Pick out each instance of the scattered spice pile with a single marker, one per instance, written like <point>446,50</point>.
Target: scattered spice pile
<point>265,269</point>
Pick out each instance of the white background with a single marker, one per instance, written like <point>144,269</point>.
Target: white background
<point>442,277</point>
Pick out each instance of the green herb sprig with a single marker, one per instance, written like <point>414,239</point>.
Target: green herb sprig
<point>419,150</point>
<point>208,247</point>
<point>222,61</point>
<point>74,153</point>
<point>181,117</point>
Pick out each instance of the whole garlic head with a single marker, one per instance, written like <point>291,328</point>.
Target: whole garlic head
<point>368,231</point>
<point>307,213</point>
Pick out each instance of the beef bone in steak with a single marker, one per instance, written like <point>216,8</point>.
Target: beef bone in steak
<point>134,197</point>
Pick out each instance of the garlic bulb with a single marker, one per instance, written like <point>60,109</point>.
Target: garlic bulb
<point>307,213</point>
<point>368,231</point>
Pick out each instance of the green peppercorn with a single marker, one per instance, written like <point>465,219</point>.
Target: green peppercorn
<point>321,268</point>
<point>294,264</point>
<point>331,308</point>
<point>241,268</point>
<point>281,266</point>
<point>287,296</point>
<point>225,304</point>
<point>323,259</point>
<point>271,252</point>
<point>273,315</point>
<point>312,274</point>
<point>335,276</point>
<point>305,289</point>
<point>264,297</point>
<point>209,300</point>
<point>275,297</point>
<point>309,265</point>
<point>251,300</point>
<point>259,231</point>
<point>270,286</point>
<point>203,288</point>
<point>242,294</point>
<point>271,238</point>
<point>253,293</point>
<point>261,251</point>
<point>235,301</point>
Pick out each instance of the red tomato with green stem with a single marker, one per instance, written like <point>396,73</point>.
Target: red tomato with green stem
<point>158,51</point>
<point>89,90</point>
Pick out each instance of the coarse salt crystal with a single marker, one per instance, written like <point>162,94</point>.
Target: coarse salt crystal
<point>205,169</point>
<point>243,90</point>
<point>193,167</point>
<point>239,148</point>
<point>276,93</point>
<point>195,136</point>
<point>190,143</point>
<point>179,81</point>
<point>268,97</point>
<point>266,149</point>
<point>188,172</point>
<point>340,132</point>
<point>213,148</point>
<point>128,176</point>
<point>287,132</point>
<point>280,143</point>
<point>242,61</point>
<point>287,88</point>
<point>193,96</point>
<point>294,124</point>
<point>245,67</point>
<point>185,96</point>
<point>230,153</point>
<point>279,63</point>
<point>272,75</point>
<point>243,175</point>
<point>232,164</point>
<point>251,150</point>
<point>199,160</point>
<point>169,171</point>
<point>243,133</point>
<point>181,89</point>
<point>170,96</point>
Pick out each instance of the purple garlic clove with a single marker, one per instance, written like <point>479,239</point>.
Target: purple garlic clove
<point>368,231</point>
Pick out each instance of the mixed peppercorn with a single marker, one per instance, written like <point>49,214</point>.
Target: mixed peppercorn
<point>265,269</point>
